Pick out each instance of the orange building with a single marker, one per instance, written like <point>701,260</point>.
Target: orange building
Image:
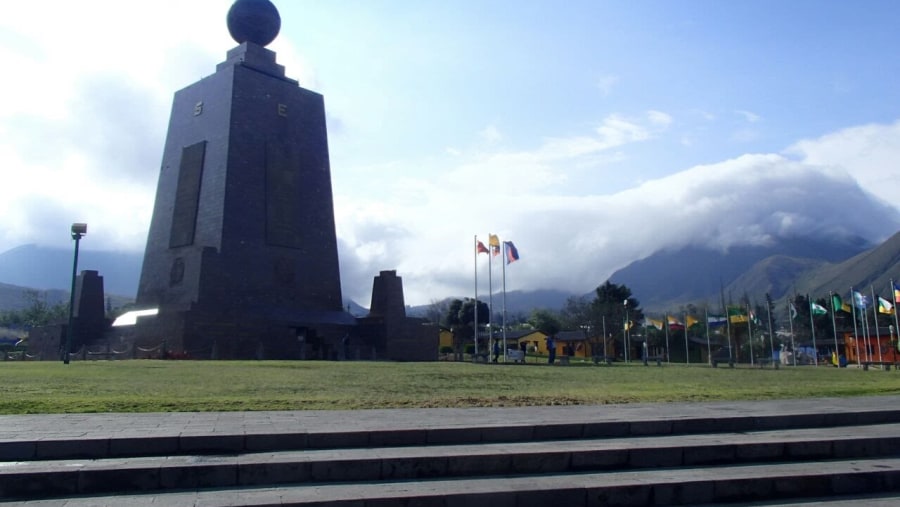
<point>871,349</point>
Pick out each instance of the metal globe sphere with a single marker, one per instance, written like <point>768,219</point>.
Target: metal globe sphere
<point>255,21</point>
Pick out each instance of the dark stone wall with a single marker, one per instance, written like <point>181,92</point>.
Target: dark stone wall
<point>89,312</point>
<point>397,337</point>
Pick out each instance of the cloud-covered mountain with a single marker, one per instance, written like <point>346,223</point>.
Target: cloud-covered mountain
<point>694,274</point>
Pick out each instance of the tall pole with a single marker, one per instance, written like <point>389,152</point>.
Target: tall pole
<point>791,311</point>
<point>491,240</point>
<point>750,332</point>
<point>892,292</point>
<point>625,329</point>
<point>855,332</point>
<point>78,230</point>
<point>875,317</point>
<point>708,346</point>
<point>476,294</point>
<point>687,357</point>
<point>837,355</point>
<point>503,263</point>
<point>812,330</point>
<point>771,336</point>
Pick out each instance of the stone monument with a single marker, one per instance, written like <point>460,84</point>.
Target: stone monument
<point>241,256</point>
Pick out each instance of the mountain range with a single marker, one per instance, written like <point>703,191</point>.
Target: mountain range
<point>665,281</point>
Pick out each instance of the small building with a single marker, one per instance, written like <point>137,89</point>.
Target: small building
<point>877,348</point>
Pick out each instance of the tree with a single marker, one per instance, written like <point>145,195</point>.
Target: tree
<point>460,318</point>
<point>37,313</point>
<point>437,310</point>
<point>545,321</point>
<point>603,318</point>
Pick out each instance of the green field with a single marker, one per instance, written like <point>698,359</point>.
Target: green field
<point>153,386</point>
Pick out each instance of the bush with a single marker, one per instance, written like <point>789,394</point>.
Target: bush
<point>470,348</point>
<point>446,349</point>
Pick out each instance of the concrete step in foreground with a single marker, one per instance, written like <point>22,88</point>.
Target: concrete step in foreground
<point>681,486</point>
<point>662,461</point>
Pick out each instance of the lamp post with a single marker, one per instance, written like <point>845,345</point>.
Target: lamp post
<point>78,230</point>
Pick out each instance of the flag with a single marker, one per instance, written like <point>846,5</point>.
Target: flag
<point>494,241</point>
<point>690,320</point>
<point>480,248</point>
<point>817,309</point>
<point>755,319</point>
<point>716,320</point>
<point>736,315</point>
<point>793,312</point>
<point>839,305</point>
<point>859,300</point>
<point>629,325</point>
<point>885,306</point>
<point>655,323</point>
<point>675,323</point>
<point>512,255</point>
<point>896,293</point>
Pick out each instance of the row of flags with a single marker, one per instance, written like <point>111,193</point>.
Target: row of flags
<point>741,315</point>
<point>511,252</point>
<point>859,300</point>
<point>493,249</point>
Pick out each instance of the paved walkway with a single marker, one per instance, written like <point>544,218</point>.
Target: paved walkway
<point>75,427</point>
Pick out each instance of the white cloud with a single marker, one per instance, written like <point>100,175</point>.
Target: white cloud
<point>491,134</point>
<point>574,242</point>
<point>606,84</point>
<point>748,116</point>
<point>871,153</point>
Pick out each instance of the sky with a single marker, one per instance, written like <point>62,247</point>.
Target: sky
<point>590,133</point>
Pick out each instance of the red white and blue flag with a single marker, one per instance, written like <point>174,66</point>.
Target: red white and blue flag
<point>512,254</point>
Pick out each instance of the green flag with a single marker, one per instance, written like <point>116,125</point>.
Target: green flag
<point>817,309</point>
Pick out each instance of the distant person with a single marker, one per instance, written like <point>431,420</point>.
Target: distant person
<point>496,351</point>
<point>551,349</point>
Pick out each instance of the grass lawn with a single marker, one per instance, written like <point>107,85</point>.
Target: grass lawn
<point>155,386</point>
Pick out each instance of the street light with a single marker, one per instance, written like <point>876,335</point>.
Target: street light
<point>78,230</point>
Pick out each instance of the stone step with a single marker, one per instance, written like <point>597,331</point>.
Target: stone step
<point>37,479</point>
<point>717,485</point>
<point>89,436</point>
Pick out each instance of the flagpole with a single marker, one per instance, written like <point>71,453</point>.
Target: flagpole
<point>504,301</point>
<point>837,355</point>
<point>855,333</point>
<point>750,333</point>
<point>490,292</point>
<point>896,322</point>
<point>875,316</point>
<point>625,329</point>
<point>791,311</point>
<point>708,346</point>
<point>687,357</point>
<point>812,330</point>
<point>771,336</point>
<point>476,296</point>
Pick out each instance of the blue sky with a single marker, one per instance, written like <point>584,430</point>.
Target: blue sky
<point>590,133</point>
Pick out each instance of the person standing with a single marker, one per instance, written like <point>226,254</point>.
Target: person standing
<point>551,349</point>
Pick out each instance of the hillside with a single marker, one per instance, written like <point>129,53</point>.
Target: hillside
<point>872,268</point>
<point>668,279</point>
